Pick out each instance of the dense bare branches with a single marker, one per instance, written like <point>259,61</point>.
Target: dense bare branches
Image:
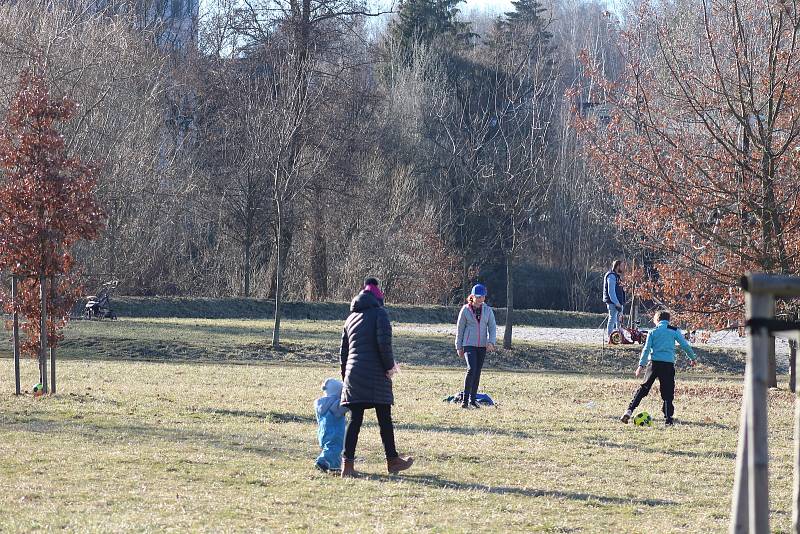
<point>700,148</point>
<point>297,151</point>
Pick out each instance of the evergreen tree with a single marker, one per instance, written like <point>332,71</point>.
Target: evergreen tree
<point>524,31</point>
<point>430,22</point>
<point>528,12</point>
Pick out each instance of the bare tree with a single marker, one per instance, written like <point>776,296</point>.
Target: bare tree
<point>699,148</point>
<point>237,93</point>
<point>120,78</point>
<point>581,235</point>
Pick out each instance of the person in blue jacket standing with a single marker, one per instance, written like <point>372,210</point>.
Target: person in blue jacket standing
<point>614,295</point>
<point>658,355</point>
<point>331,421</point>
<point>476,331</point>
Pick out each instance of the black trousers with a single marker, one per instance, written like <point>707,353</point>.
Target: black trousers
<point>665,372</point>
<point>475,357</point>
<point>384,413</point>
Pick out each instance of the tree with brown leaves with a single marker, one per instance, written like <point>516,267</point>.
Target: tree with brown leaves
<point>47,204</point>
<point>699,140</point>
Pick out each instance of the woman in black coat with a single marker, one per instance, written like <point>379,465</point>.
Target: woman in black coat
<point>367,369</point>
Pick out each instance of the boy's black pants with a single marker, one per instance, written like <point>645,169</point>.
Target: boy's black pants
<point>475,357</point>
<point>665,372</point>
<point>384,413</point>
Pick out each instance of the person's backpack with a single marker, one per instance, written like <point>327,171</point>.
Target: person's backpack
<point>481,398</point>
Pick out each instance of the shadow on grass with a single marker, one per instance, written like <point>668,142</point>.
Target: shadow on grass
<point>434,481</point>
<point>105,433</point>
<point>671,452</point>
<point>465,431</point>
<point>270,417</point>
<point>289,331</point>
<point>201,352</point>
<point>704,424</point>
<point>278,417</point>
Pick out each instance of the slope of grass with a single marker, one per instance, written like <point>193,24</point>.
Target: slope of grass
<point>241,308</point>
<point>248,340</point>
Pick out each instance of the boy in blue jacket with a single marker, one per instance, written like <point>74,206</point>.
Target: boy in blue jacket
<point>658,355</point>
<point>331,420</point>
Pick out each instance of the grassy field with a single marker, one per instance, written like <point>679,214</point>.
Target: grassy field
<point>172,424</point>
<point>304,341</point>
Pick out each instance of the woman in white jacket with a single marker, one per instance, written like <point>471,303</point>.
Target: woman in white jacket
<point>476,331</point>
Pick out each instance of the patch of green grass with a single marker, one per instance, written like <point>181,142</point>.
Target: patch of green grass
<point>171,424</point>
<point>242,308</point>
<point>130,445</point>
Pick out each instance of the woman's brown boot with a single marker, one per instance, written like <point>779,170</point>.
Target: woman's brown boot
<point>348,470</point>
<point>395,465</point>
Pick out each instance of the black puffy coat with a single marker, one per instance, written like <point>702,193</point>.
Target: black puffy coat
<point>366,352</point>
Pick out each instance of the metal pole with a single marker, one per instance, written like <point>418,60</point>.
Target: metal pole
<point>758,306</point>
<point>15,332</point>
<point>43,333</point>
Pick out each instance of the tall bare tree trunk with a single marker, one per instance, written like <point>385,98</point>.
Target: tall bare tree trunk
<point>465,279</point>
<point>509,301</point>
<point>112,240</point>
<point>279,260</point>
<point>248,247</point>
<point>317,286</point>
<point>283,243</point>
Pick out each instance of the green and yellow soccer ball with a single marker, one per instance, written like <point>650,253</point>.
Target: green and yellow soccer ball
<point>643,419</point>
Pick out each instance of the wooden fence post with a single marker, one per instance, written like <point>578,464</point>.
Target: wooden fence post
<point>15,332</point>
<point>43,333</point>
<point>750,511</point>
<point>793,365</point>
<point>796,480</point>
<point>52,349</point>
<point>739,505</point>
<point>53,370</point>
<point>758,306</point>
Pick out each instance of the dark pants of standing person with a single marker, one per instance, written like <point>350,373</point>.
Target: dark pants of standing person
<point>384,413</point>
<point>474,357</point>
<point>665,372</point>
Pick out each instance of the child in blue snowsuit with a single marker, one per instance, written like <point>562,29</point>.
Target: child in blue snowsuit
<point>331,420</point>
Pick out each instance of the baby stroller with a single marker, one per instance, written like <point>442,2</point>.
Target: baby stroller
<point>99,306</point>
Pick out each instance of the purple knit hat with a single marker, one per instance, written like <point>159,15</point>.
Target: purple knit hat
<point>375,290</point>
<point>371,285</point>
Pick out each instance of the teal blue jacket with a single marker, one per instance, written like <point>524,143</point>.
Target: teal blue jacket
<point>660,344</point>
